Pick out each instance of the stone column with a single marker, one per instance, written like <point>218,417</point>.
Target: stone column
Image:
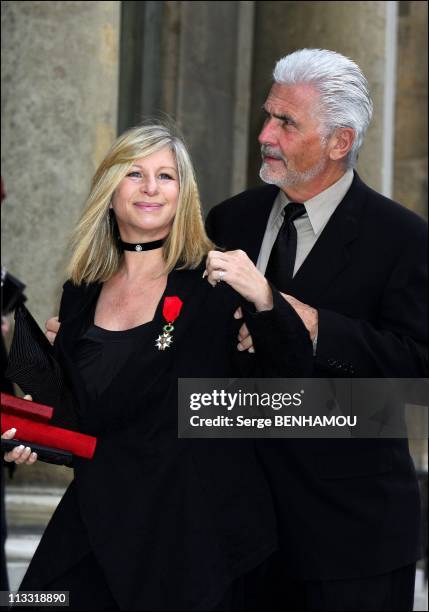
<point>192,61</point>
<point>214,93</point>
<point>411,113</point>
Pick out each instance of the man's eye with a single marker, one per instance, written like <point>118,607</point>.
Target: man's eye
<point>286,122</point>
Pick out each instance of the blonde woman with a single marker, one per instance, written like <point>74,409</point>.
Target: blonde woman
<point>156,522</point>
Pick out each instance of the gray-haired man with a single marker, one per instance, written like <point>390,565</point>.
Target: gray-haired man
<point>353,265</point>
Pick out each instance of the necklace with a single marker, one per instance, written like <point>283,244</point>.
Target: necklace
<point>140,246</point>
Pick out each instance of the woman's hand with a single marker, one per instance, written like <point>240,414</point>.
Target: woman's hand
<point>236,269</point>
<point>20,454</point>
<point>52,326</point>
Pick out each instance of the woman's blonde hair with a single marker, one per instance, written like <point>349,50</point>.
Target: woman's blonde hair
<point>96,256</point>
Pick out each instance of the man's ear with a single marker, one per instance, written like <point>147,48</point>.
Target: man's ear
<point>341,142</point>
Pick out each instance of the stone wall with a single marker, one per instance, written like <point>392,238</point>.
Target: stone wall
<point>59,107</point>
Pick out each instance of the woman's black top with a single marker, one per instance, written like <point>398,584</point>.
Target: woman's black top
<point>101,353</point>
<point>172,522</point>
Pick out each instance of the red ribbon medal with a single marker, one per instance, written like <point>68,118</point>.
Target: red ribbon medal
<point>170,311</point>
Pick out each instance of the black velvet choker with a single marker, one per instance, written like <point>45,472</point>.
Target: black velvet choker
<point>140,246</point>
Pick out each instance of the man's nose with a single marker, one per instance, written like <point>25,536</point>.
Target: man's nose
<point>268,133</point>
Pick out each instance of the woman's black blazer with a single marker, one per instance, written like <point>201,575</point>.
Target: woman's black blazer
<point>173,521</point>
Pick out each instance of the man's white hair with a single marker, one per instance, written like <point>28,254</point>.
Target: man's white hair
<point>344,94</point>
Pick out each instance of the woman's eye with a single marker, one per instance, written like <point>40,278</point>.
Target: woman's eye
<point>162,175</point>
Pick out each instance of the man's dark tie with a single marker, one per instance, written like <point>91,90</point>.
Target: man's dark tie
<point>282,259</point>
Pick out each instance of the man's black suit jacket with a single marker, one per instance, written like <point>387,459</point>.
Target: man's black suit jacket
<point>347,508</point>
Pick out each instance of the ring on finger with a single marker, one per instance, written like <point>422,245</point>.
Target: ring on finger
<point>221,274</point>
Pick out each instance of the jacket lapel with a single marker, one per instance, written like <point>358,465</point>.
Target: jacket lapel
<point>250,230</point>
<point>81,302</point>
<point>331,253</point>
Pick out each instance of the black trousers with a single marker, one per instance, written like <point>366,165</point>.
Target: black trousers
<point>392,591</point>
<point>264,588</point>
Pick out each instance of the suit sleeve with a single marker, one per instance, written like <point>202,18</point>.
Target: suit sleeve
<point>396,344</point>
<point>210,225</point>
<point>282,344</point>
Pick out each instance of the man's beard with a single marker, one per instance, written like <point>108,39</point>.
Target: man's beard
<point>287,177</point>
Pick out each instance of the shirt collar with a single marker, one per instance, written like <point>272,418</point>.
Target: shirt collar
<point>321,207</point>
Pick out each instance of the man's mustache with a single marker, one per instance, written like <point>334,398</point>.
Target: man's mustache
<point>267,151</point>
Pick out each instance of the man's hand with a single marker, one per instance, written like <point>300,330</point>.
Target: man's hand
<point>52,326</point>
<point>245,340</point>
<point>236,269</point>
<point>308,314</point>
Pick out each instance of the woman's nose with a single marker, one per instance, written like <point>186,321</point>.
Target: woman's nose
<point>149,185</point>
